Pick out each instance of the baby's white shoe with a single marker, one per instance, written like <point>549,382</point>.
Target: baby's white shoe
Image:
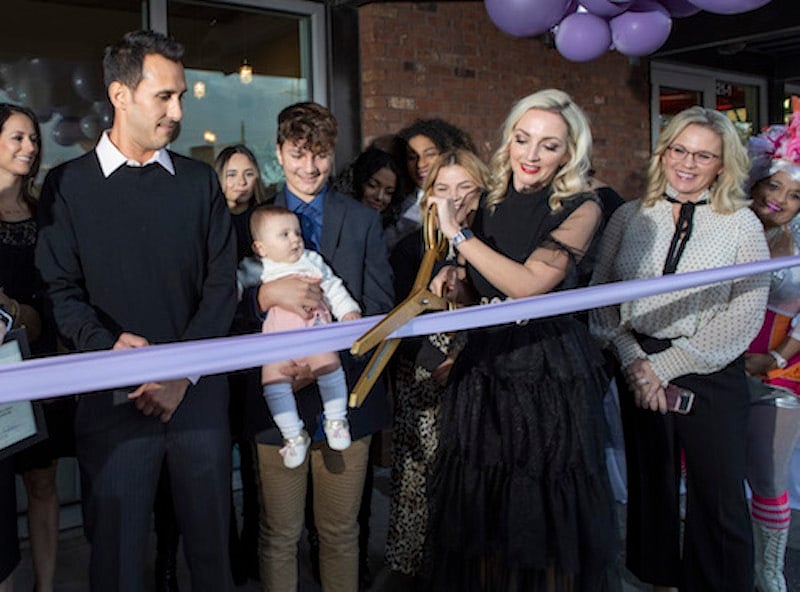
<point>295,449</point>
<point>337,431</point>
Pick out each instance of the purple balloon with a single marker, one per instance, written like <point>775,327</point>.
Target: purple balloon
<point>680,8</point>
<point>525,18</point>
<point>606,8</point>
<point>648,6</point>
<point>729,6</point>
<point>640,33</point>
<point>572,7</point>
<point>583,37</point>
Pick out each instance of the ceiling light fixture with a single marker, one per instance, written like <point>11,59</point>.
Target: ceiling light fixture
<point>246,72</point>
<point>199,89</point>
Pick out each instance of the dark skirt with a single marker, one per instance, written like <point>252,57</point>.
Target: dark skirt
<point>59,417</point>
<point>519,485</point>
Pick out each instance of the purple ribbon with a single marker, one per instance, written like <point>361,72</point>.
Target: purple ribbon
<point>95,371</point>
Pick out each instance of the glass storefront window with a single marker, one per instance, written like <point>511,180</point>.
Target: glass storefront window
<point>676,87</point>
<point>740,103</point>
<point>791,103</point>
<point>55,69</point>
<point>225,103</point>
<point>52,64</point>
<point>674,100</point>
<point>51,61</point>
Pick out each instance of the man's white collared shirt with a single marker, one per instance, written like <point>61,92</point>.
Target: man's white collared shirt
<point>111,158</point>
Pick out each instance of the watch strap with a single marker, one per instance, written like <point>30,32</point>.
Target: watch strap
<point>780,361</point>
<point>460,236</point>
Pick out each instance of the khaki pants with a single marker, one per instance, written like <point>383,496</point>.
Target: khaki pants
<point>338,484</point>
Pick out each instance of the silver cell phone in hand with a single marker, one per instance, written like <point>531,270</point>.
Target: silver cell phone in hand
<point>679,400</point>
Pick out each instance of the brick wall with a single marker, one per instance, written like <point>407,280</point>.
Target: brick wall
<point>449,60</point>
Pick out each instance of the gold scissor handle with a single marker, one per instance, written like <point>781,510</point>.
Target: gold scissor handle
<point>417,302</point>
<point>420,299</point>
<point>432,237</point>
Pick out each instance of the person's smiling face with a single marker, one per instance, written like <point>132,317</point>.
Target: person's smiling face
<point>455,182</point>
<point>306,172</point>
<point>776,199</point>
<point>19,145</point>
<point>538,149</point>
<point>693,161</point>
<point>422,153</point>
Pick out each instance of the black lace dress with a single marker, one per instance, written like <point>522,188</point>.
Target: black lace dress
<point>519,484</point>
<point>17,278</point>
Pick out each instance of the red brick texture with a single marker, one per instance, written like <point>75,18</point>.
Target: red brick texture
<point>449,60</point>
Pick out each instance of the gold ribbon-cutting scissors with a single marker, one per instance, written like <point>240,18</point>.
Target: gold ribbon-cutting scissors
<point>419,300</point>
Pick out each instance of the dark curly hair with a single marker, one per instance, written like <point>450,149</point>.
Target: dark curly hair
<point>445,136</point>
<point>367,164</point>
<point>310,124</point>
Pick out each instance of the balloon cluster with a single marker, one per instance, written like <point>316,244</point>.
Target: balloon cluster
<point>586,29</point>
<point>73,94</point>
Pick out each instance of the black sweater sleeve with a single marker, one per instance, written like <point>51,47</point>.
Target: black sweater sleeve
<point>59,263</point>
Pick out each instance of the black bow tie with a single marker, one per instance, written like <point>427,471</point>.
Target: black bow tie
<point>683,230</point>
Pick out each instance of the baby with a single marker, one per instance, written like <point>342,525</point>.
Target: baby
<point>278,241</point>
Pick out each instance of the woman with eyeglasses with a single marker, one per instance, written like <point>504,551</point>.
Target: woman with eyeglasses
<point>694,216</point>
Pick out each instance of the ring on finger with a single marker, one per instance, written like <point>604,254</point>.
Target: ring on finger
<point>643,381</point>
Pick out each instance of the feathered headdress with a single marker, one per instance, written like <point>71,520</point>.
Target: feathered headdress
<point>775,149</point>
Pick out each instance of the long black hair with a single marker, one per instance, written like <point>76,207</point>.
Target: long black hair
<point>6,111</point>
<point>353,178</point>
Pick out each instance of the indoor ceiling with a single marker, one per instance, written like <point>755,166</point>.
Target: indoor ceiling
<point>764,42</point>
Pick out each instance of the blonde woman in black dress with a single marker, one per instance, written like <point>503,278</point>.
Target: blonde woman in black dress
<point>519,493</point>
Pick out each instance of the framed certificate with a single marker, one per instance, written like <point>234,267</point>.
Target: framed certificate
<point>21,423</point>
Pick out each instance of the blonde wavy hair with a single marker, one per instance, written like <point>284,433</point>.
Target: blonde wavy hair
<point>466,159</point>
<point>572,177</point>
<point>727,192</point>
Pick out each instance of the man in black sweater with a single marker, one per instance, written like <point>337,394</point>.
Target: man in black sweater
<point>136,248</point>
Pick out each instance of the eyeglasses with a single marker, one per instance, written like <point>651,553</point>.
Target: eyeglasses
<point>702,157</point>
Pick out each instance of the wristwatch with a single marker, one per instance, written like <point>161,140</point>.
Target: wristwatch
<point>780,361</point>
<point>460,236</point>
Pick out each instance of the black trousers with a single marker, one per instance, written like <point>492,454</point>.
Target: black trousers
<point>121,451</point>
<point>717,552</point>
